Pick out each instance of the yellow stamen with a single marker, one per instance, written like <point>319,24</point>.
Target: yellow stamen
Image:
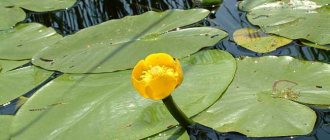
<point>156,71</point>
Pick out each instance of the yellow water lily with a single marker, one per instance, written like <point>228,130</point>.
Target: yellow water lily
<point>157,76</point>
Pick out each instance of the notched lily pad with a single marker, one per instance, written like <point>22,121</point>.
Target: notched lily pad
<point>23,41</point>
<point>258,41</point>
<point>267,95</point>
<point>16,83</point>
<point>7,65</point>
<point>106,106</point>
<point>106,47</point>
<point>294,19</point>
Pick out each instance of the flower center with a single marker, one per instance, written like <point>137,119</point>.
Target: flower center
<point>156,71</point>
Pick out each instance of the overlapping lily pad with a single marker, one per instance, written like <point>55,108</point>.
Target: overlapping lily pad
<point>16,83</point>
<point>9,15</point>
<point>23,41</point>
<point>119,44</point>
<point>266,95</point>
<point>258,41</point>
<point>7,65</point>
<point>5,121</point>
<point>105,106</point>
<point>44,5</point>
<point>324,47</point>
<point>295,19</point>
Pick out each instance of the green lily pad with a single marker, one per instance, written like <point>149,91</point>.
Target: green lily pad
<point>44,5</point>
<point>119,44</point>
<point>10,15</point>
<point>323,47</point>
<point>7,65</point>
<point>23,41</point>
<point>264,98</point>
<point>258,41</point>
<point>105,106</point>
<point>5,121</point>
<point>294,19</point>
<point>206,3</point>
<point>16,83</point>
<point>176,133</point>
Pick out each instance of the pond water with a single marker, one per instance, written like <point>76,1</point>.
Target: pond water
<point>227,17</point>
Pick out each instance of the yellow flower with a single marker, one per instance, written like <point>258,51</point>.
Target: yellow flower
<point>157,76</point>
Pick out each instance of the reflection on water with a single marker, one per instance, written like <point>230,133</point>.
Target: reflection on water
<point>87,13</point>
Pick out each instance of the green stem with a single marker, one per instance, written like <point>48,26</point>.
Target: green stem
<point>176,112</point>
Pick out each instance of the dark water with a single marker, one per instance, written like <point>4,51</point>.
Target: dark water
<point>87,13</point>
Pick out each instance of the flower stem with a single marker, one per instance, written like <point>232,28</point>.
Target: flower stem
<point>176,112</point>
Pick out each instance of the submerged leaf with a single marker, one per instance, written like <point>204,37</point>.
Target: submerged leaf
<point>23,41</point>
<point>119,44</point>
<point>294,19</point>
<point>262,99</point>
<point>258,41</point>
<point>105,106</point>
<point>16,83</point>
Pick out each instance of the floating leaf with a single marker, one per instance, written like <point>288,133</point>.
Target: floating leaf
<point>295,19</point>
<point>16,83</point>
<point>258,41</point>
<point>5,121</point>
<point>7,65</point>
<point>323,47</point>
<point>106,47</point>
<point>105,106</point>
<point>44,5</point>
<point>207,3</point>
<point>9,15</point>
<point>262,99</point>
<point>176,133</point>
<point>23,41</point>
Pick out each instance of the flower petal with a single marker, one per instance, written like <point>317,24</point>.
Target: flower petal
<point>159,59</point>
<point>161,87</point>
<point>138,69</point>
<point>178,69</point>
<point>140,86</point>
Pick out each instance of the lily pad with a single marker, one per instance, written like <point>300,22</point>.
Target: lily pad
<point>264,98</point>
<point>44,5</point>
<point>294,19</point>
<point>258,41</point>
<point>8,65</point>
<point>323,47</point>
<point>105,106</point>
<point>176,133</point>
<point>119,44</point>
<point>23,41</point>
<point>5,121</point>
<point>10,15</point>
<point>16,83</point>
